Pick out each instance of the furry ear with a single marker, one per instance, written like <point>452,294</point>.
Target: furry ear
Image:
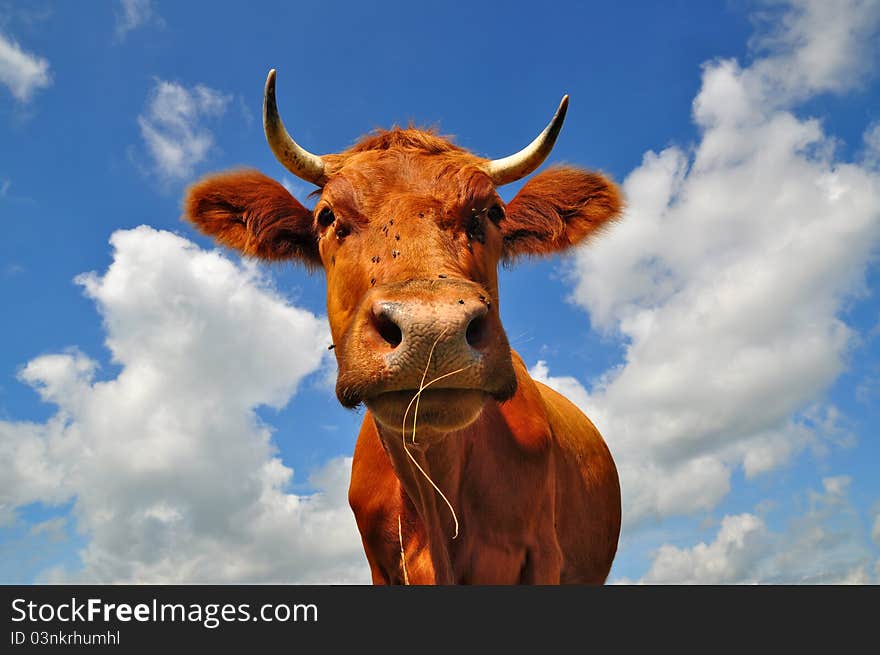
<point>253,214</point>
<point>557,209</point>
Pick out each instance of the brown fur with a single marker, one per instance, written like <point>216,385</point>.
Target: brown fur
<point>410,138</point>
<point>533,509</point>
<point>408,219</point>
<point>247,211</point>
<point>557,209</point>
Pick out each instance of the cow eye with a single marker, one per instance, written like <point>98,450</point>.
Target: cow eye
<point>326,217</point>
<point>496,213</point>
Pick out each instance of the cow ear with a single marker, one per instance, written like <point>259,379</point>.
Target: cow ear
<point>253,214</point>
<point>557,209</point>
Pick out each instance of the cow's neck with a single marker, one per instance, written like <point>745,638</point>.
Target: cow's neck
<point>442,464</point>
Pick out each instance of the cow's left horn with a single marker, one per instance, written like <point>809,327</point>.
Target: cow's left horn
<point>517,166</point>
<point>295,158</point>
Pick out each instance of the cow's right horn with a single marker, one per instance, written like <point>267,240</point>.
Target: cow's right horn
<point>517,166</point>
<point>295,158</point>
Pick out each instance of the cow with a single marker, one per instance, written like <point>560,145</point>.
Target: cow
<point>466,470</point>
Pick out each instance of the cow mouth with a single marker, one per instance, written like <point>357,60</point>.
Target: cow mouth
<point>436,410</point>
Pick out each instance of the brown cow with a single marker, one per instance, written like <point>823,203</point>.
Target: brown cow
<point>466,470</point>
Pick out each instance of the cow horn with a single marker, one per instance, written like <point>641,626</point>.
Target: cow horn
<point>295,158</point>
<point>517,166</point>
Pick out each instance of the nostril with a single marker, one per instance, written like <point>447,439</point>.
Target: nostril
<point>387,329</point>
<point>477,332</point>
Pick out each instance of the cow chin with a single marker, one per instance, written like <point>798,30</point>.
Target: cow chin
<point>434,411</point>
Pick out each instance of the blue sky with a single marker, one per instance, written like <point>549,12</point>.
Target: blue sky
<point>166,410</point>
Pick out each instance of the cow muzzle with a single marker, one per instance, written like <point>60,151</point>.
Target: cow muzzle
<point>442,340</point>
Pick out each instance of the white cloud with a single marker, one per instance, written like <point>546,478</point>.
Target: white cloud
<point>871,138</point>
<point>727,275</point>
<point>172,129</point>
<point>813,46</point>
<point>52,528</point>
<point>22,72</point>
<point>728,559</point>
<point>174,478</point>
<point>836,486</point>
<point>246,114</point>
<point>133,14</point>
<point>826,545</point>
<point>296,188</point>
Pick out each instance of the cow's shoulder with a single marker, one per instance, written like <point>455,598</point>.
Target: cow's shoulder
<point>525,413</point>
<point>540,408</point>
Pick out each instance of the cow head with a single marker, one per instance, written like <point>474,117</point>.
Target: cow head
<point>409,230</point>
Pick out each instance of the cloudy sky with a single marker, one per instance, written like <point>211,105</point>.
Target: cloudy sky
<point>166,408</point>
